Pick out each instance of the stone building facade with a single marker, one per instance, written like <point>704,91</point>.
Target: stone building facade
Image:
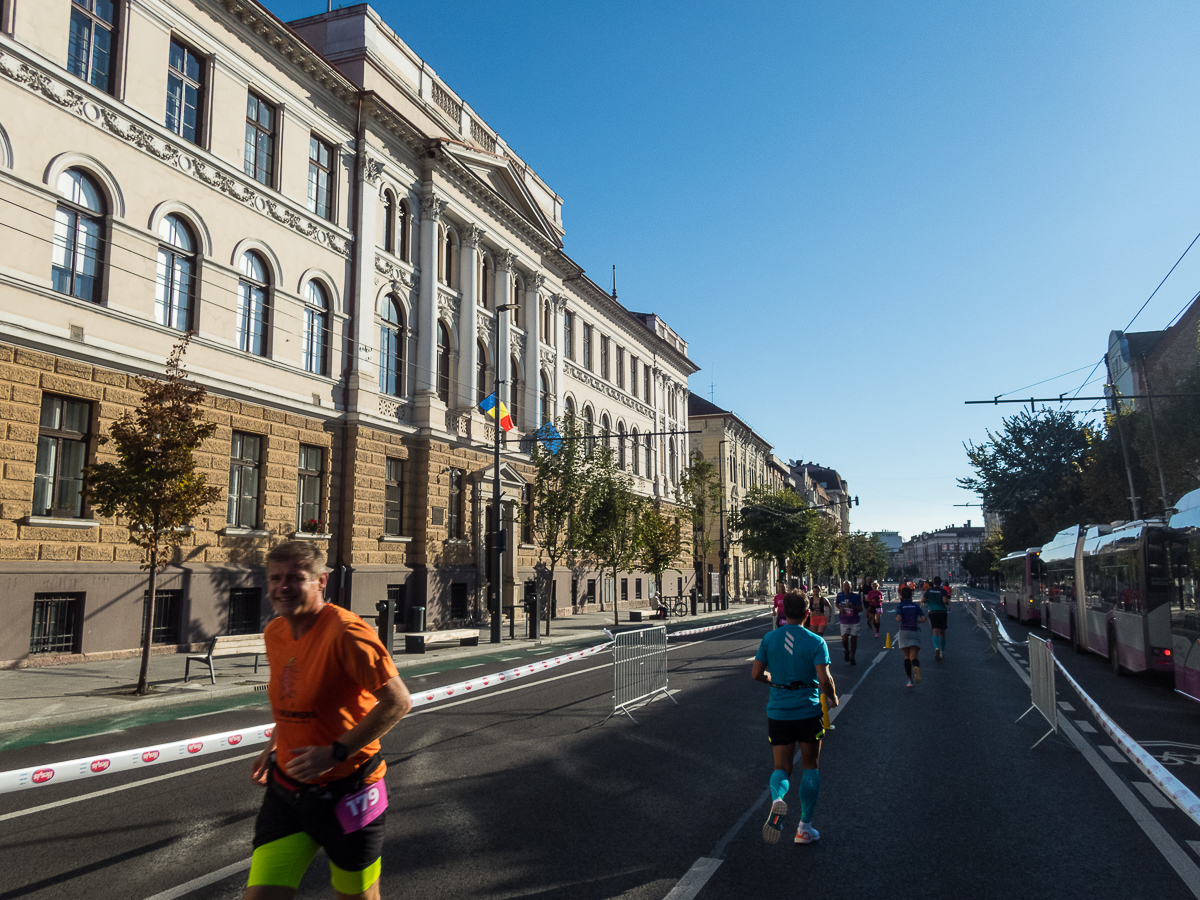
<point>940,552</point>
<point>360,258</point>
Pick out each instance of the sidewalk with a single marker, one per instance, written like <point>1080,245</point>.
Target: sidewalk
<point>36,698</point>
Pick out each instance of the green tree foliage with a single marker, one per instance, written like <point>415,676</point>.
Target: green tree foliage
<point>866,556</point>
<point>153,485</point>
<point>660,542</point>
<point>609,519</point>
<point>984,562</point>
<point>699,499</point>
<point>560,483</point>
<point>773,525</point>
<point>824,549</point>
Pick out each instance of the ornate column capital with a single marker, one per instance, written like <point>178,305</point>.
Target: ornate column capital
<point>373,170</point>
<point>560,302</point>
<point>505,260</point>
<point>432,206</point>
<point>472,234</point>
<point>535,282</point>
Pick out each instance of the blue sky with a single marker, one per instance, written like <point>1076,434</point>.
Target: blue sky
<point>858,214</point>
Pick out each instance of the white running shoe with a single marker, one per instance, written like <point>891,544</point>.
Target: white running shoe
<point>773,827</point>
<point>806,834</point>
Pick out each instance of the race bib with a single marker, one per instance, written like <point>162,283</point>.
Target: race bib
<point>359,810</point>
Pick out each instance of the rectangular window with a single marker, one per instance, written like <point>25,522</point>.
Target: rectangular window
<point>308,489</point>
<point>637,589</point>
<point>56,619</point>
<point>569,334</point>
<point>244,456</point>
<point>621,367</point>
<point>245,611</point>
<point>168,616</point>
<point>454,505</point>
<point>458,600</point>
<point>185,92</point>
<point>587,347</point>
<point>320,177</point>
<point>591,590</point>
<point>604,358</point>
<point>393,497</point>
<point>624,590</point>
<point>90,45</point>
<point>633,380</point>
<point>259,163</point>
<point>61,455</point>
<point>648,394</point>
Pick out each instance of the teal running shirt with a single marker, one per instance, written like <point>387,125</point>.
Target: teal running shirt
<point>792,654</point>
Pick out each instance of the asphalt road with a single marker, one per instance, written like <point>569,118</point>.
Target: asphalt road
<point>528,792</point>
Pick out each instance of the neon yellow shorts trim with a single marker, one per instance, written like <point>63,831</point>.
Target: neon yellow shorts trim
<point>282,863</point>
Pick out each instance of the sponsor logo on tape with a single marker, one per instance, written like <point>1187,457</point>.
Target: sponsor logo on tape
<point>268,732</point>
<point>41,776</point>
<point>150,756</point>
<point>195,746</point>
<point>234,739</point>
<point>99,765</point>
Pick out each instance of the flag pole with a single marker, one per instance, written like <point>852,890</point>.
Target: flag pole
<point>494,600</point>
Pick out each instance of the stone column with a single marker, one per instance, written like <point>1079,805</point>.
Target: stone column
<point>533,351</point>
<point>429,411</point>
<point>558,304</point>
<point>364,353</point>
<point>468,322</point>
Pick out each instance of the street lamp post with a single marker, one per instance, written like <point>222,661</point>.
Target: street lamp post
<point>723,552</point>
<point>497,533</point>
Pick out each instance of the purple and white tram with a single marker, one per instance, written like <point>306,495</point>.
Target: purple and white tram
<point>1020,590</point>
<point>1183,540</point>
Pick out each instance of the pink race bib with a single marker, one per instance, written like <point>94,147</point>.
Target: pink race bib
<point>356,811</point>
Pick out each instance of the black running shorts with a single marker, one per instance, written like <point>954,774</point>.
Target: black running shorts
<point>937,619</point>
<point>781,732</point>
<point>282,816</point>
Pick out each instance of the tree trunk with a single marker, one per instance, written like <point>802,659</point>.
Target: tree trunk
<point>143,687</point>
<point>616,609</point>
<point>549,597</point>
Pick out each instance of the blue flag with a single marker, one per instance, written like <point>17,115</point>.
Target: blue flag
<point>550,438</point>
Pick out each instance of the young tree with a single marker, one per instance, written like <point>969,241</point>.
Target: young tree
<point>660,542</point>
<point>699,498</point>
<point>609,520</point>
<point>773,525</point>
<point>153,485</point>
<point>867,555</point>
<point>560,483</point>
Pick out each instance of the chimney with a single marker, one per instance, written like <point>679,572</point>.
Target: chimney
<point>968,523</point>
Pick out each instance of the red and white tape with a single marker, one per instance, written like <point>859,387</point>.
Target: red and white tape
<point>714,627</point>
<point>128,760</point>
<point>1151,767</point>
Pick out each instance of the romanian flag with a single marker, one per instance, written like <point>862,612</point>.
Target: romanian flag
<point>488,405</point>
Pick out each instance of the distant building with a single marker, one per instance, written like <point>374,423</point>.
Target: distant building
<point>891,540</point>
<point>1146,362</point>
<point>940,552</point>
<point>832,490</point>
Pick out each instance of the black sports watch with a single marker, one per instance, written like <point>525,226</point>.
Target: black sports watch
<point>339,751</point>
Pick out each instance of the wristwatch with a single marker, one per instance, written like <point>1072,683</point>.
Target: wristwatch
<point>339,751</point>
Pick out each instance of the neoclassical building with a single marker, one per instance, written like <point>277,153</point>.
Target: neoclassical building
<point>360,259</point>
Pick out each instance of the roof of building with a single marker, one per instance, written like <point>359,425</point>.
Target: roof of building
<point>698,406</point>
<point>827,478</point>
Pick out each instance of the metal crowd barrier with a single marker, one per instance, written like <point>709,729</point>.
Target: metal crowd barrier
<point>993,630</point>
<point>639,668</point>
<point>1041,684</point>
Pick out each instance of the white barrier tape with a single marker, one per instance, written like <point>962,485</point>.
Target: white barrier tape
<point>1153,769</point>
<point>128,760</point>
<point>1004,634</point>
<point>715,627</point>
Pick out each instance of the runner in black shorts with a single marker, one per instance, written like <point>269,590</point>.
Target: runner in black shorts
<point>935,604</point>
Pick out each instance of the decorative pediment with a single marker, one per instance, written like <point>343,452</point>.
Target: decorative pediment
<point>500,177</point>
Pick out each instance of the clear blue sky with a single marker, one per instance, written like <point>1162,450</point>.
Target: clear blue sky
<point>858,214</point>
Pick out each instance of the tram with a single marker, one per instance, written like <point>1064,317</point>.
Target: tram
<point>1020,585</point>
<point>1183,541</point>
<point>1058,588</point>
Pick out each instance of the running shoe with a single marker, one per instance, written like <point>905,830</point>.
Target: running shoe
<point>853,661</point>
<point>877,634</point>
<point>773,827</point>
<point>917,674</point>
<point>806,834</point>
<point>910,684</point>
<point>937,655</point>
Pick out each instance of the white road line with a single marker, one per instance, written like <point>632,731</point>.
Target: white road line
<point>472,666</point>
<point>123,787</point>
<point>82,736</point>
<point>203,881</point>
<point>1065,706</point>
<point>1085,726</point>
<point>1176,858</point>
<point>1153,795</point>
<point>1195,845</point>
<point>1113,754</point>
<point>697,876</point>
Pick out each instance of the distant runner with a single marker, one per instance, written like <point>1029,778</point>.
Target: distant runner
<point>795,663</point>
<point>874,601</point>
<point>780,593</point>
<point>935,603</point>
<point>849,606</point>
<point>910,616</point>
<point>818,618</point>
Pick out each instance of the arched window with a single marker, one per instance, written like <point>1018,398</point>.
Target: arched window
<point>516,392</point>
<point>481,371</point>
<point>447,260</point>
<point>588,430</point>
<point>547,323</point>
<point>315,345</point>
<point>392,348</point>
<point>78,255</point>
<point>253,313</point>
<point>635,449</point>
<point>544,396</point>
<point>485,281</point>
<point>389,222</point>
<point>605,431</point>
<point>569,406</point>
<point>443,363</point>
<point>621,445</point>
<point>671,460</point>
<point>403,230</point>
<point>518,292</point>
<point>175,283</point>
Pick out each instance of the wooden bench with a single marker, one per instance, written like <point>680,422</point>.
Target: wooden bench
<point>415,641</point>
<point>224,645</point>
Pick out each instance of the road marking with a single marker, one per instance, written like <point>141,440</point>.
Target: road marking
<point>1085,727</point>
<point>124,787</point>
<point>82,736</point>
<point>1065,706</point>
<point>203,881</point>
<point>1113,754</point>
<point>201,715</point>
<point>1195,845</point>
<point>508,658</point>
<point>1176,858</point>
<point>1153,795</point>
<point>697,876</point>
<point>472,666</point>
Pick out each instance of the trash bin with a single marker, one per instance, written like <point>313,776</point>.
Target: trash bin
<point>531,609</point>
<point>695,601</point>
<point>416,619</point>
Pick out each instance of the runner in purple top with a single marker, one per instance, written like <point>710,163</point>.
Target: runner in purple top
<point>910,616</point>
<point>849,606</point>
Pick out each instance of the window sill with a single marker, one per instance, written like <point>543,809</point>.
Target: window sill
<point>527,546</point>
<point>457,541</point>
<point>235,531</point>
<point>52,522</point>
<point>311,535</point>
<point>394,539</point>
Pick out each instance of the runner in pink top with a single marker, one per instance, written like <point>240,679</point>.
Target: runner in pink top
<point>780,618</point>
<point>874,606</point>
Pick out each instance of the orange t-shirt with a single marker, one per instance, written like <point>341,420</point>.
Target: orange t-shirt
<point>323,685</point>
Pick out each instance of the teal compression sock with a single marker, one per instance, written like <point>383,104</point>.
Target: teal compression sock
<point>779,784</point>
<point>810,789</point>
